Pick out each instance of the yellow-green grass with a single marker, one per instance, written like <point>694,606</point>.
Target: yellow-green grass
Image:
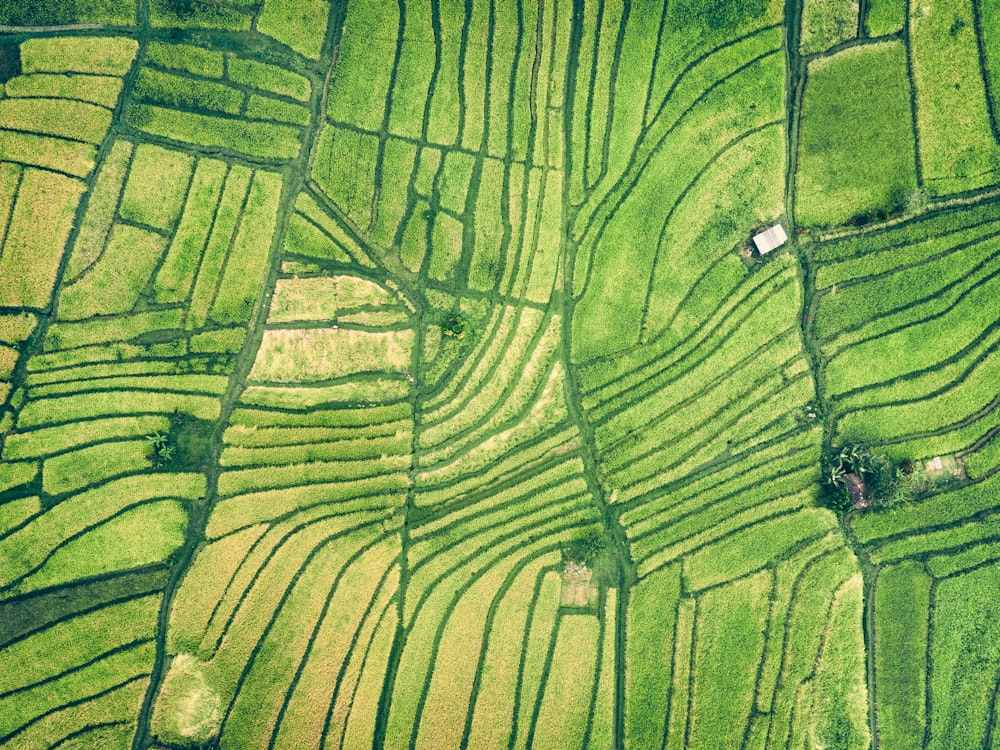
<point>805,632</point>
<point>101,209</point>
<point>256,139</point>
<point>963,656</point>
<point>89,376</point>
<point>680,693</point>
<point>984,461</point>
<point>66,157</point>
<point>157,182</point>
<point>76,469</point>
<point>75,641</point>
<point>937,510</point>
<point>16,327</point>
<point>902,604</point>
<point>240,481</point>
<point>182,92</point>
<point>781,625</point>
<point>334,241</point>
<point>494,705</point>
<point>623,258</point>
<point>265,108</point>
<point>15,474</point>
<point>885,17</point>
<point>49,440</point>
<point>826,23</point>
<point>602,728</point>
<point>703,272</point>
<point>380,492</point>
<point>234,16</point>
<point>228,340</point>
<point>254,712</point>
<point>512,391</point>
<point>453,673</point>
<point>953,537</point>
<point>660,548</point>
<point>833,707</point>
<point>61,409</point>
<point>246,266</point>
<point>186,57</point>
<point>223,226</point>
<point>920,345</point>
<point>155,531</point>
<point>958,149</point>
<point>270,78</point>
<point>481,451</point>
<point>88,12</point>
<point>31,258</point>
<point>746,551</point>
<point>569,685</point>
<point>368,391</point>
<point>338,450</point>
<point>301,24</point>
<point>62,118</point>
<point>344,169</point>
<point>30,546</point>
<point>975,556</point>
<point>341,642</point>
<point>856,151</point>
<point>728,647</point>
<point>397,166</point>
<point>535,648</point>
<point>72,335</point>
<point>989,40</point>
<point>367,41</point>
<point>204,584</point>
<point>875,304</point>
<point>315,554</point>
<point>698,496</point>
<point>362,716</point>
<point>304,355</point>
<point>115,283</point>
<point>266,437</point>
<point>962,401</point>
<point>323,298</point>
<point>118,706</point>
<point>15,512</point>
<point>703,370</point>
<point>649,649</point>
<point>110,56</point>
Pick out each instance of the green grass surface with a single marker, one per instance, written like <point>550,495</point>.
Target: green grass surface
<point>331,334</point>
<point>856,149</point>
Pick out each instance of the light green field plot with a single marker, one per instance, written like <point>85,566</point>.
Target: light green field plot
<point>826,23</point>
<point>400,374</point>
<point>958,143</point>
<point>856,151</point>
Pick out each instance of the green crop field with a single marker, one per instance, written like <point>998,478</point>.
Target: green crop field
<point>412,374</point>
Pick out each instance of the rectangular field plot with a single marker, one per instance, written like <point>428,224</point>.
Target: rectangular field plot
<point>958,142</point>
<point>856,146</point>
<point>29,260</point>
<point>212,99</point>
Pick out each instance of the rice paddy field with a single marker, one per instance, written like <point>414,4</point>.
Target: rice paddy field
<point>401,374</point>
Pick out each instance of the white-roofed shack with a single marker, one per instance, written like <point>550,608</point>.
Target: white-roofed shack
<point>770,239</point>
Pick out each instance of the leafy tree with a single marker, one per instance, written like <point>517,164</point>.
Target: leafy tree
<point>588,548</point>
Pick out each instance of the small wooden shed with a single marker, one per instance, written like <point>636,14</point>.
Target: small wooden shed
<point>770,239</point>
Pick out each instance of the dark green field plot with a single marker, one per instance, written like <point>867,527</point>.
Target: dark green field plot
<point>856,145</point>
<point>412,375</point>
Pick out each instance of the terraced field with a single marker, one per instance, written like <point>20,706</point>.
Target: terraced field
<point>400,374</point>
